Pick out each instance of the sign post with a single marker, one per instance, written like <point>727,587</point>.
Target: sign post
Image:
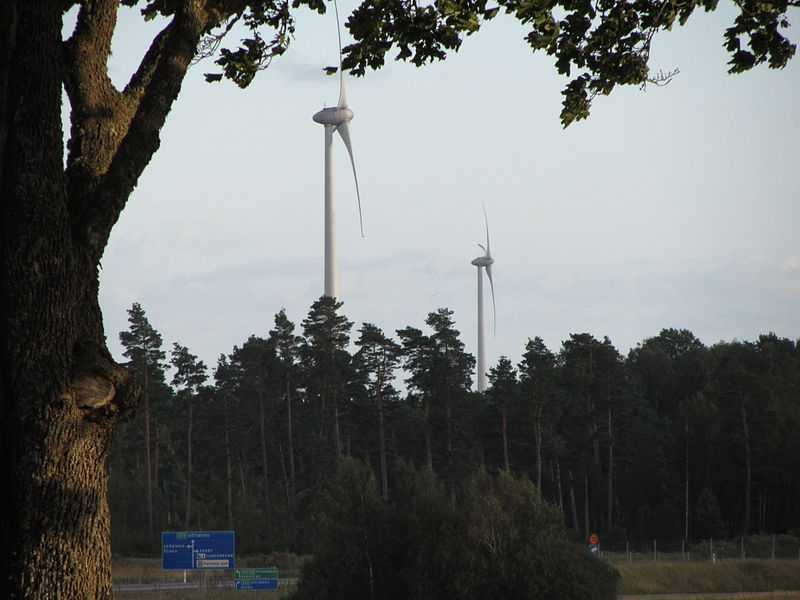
<point>197,550</point>
<point>594,544</point>
<point>256,579</point>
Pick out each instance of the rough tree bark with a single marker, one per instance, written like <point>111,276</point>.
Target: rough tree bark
<point>62,396</point>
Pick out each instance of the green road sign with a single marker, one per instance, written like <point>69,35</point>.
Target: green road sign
<point>261,573</point>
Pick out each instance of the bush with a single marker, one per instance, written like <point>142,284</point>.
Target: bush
<point>494,538</point>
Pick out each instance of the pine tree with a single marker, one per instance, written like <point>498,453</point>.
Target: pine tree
<point>376,361</point>
<point>538,377</point>
<point>190,374</point>
<point>503,395</point>
<point>287,373</point>
<point>327,366</point>
<point>255,391</point>
<point>441,372</point>
<point>592,376</point>
<point>143,348</point>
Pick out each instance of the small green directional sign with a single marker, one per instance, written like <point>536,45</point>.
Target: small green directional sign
<point>261,573</point>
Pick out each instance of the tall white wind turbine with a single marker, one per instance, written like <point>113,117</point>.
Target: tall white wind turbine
<point>484,262</point>
<point>335,119</point>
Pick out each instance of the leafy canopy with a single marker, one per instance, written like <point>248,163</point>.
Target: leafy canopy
<point>597,44</point>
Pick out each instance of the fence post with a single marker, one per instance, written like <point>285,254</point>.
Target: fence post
<point>683,549</point>
<point>773,546</point>
<point>742,547</point>
<point>655,552</point>
<point>713,558</point>
<point>627,551</point>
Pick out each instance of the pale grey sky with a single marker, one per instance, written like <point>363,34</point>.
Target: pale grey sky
<point>671,207</point>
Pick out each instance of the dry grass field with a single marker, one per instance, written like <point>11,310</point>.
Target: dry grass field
<point>728,576</point>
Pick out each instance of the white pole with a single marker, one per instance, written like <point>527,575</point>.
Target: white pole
<point>330,218</point>
<point>481,343</point>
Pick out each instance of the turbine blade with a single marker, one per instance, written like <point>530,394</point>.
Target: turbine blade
<point>342,94</point>
<point>344,131</point>
<point>494,306</point>
<point>486,220</point>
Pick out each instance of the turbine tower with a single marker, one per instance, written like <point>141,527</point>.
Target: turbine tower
<point>335,119</point>
<point>484,262</point>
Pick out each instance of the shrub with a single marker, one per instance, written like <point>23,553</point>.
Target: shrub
<point>493,539</point>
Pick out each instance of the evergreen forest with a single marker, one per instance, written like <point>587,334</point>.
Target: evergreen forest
<point>677,440</point>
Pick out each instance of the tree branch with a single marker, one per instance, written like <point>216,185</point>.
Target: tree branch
<point>98,116</point>
<point>134,125</point>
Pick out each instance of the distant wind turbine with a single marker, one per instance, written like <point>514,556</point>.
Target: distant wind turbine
<point>484,262</point>
<point>335,119</point>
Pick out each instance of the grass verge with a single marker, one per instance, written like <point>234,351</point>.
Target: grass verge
<point>728,576</point>
<point>722,577</point>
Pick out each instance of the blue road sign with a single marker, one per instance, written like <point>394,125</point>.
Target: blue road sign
<point>256,584</point>
<point>197,550</point>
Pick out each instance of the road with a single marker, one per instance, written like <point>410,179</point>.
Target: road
<point>143,587</point>
<point>151,587</point>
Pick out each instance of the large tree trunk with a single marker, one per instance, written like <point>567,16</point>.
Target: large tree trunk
<point>62,396</point>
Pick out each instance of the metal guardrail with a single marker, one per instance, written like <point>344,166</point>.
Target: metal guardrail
<point>189,585</point>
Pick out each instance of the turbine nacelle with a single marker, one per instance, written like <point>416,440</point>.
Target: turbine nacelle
<point>483,261</point>
<point>333,115</point>
<point>486,260</point>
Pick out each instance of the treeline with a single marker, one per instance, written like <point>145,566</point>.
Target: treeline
<point>677,440</point>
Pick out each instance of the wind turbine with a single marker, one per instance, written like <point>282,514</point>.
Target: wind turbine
<point>484,262</point>
<point>335,118</point>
